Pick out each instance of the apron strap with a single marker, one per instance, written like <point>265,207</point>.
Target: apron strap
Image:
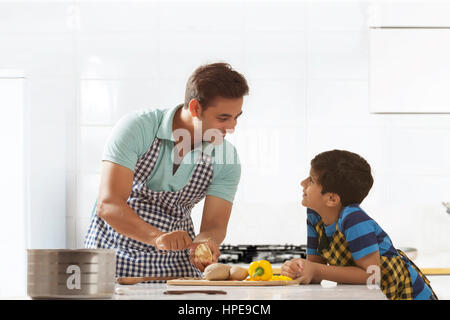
<point>427,282</point>
<point>324,242</point>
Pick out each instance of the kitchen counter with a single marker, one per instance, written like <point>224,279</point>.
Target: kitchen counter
<point>325,291</point>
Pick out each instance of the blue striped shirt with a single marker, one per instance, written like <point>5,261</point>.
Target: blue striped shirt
<point>364,236</point>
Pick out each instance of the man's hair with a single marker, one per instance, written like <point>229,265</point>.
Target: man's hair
<point>344,173</point>
<point>214,80</point>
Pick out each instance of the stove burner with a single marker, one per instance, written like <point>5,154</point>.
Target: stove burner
<point>272,253</point>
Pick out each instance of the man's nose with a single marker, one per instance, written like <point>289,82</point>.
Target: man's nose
<point>232,124</point>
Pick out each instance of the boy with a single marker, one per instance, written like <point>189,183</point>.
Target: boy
<point>344,244</point>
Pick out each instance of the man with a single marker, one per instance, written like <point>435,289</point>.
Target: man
<point>157,165</point>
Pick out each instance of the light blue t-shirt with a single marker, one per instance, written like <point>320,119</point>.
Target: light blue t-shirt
<point>133,135</point>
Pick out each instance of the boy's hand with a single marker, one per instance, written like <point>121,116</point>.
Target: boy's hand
<point>293,268</point>
<point>308,273</point>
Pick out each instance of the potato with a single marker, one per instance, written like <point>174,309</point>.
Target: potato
<point>217,271</point>
<point>238,273</point>
<point>203,253</point>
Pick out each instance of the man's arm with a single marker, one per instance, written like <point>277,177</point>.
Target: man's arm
<point>216,213</point>
<point>115,188</point>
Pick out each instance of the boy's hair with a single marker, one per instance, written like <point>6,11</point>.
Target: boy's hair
<point>214,80</point>
<point>344,173</point>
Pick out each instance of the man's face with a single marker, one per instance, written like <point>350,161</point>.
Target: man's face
<point>312,196</point>
<point>220,118</point>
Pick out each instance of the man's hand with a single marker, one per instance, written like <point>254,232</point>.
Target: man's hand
<point>213,246</point>
<point>173,241</point>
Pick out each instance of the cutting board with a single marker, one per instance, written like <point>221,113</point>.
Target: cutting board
<point>184,282</point>
<point>426,271</point>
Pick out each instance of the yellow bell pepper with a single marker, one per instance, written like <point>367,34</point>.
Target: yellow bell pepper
<point>260,270</point>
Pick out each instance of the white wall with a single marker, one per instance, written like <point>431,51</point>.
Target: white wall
<point>307,67</point>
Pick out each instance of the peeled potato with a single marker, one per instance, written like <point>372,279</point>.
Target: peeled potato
<point>238,273</point>
<point>203,253</point>
<point>217,271</point>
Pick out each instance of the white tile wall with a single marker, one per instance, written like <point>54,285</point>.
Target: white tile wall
<point>271,99</point>
<point>366,141</point>
<point>338,54</point>
<point>307,66</point>
<point>117,17</point>
<point>40,17</point>
<point>90,155</point>
<point>344,101</point>
<point>195,16</point>
<point>87,190</point>
<point>104,102</point>
<point>118,55</point>
<point>420,151</point>
<point>170,92</point>
<point>337,15</point>
<point>275,55</point>
<point>39,54</point>
<point>270,17</point>
<point>180,52</point>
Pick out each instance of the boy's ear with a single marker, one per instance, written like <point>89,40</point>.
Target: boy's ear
<point>333,199</point>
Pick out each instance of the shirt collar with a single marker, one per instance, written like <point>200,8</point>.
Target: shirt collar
<point>165,131</point>
<point>165,128</point>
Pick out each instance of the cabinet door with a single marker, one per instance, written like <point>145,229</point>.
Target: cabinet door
<point>12,187</point>
<point>409,70</point>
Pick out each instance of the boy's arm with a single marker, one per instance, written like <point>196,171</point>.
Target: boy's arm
<point>316,259</point>
<point>351,275</point>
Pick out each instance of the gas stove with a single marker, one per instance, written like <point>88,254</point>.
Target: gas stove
<point>273,253</point>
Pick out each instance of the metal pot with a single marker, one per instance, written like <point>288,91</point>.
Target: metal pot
<point>66,274</point>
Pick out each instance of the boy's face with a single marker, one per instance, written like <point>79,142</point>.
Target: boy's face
<point>312,196</point>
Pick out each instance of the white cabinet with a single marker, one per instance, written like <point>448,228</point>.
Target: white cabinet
<point>409,58</point>
<point>409,70</point>
<point>12,185</point>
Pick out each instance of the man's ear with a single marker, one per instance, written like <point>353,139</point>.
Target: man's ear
<point>195,108</point>
<point>333,199</point>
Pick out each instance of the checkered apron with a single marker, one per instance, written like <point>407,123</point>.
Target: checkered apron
<point>165,210</point>
<point>395,280</point>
